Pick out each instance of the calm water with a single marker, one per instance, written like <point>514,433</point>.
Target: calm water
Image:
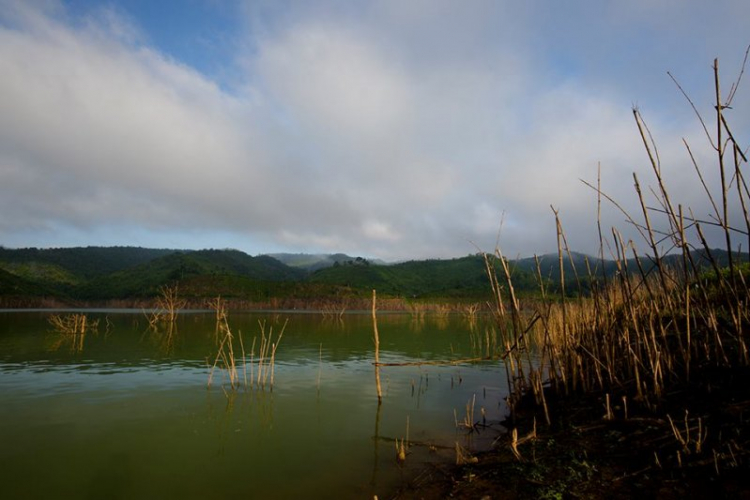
<point>128,414</point>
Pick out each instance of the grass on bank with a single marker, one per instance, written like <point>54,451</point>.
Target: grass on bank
<point>661,341</point>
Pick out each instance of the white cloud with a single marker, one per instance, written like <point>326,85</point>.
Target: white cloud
<point>386,129</point>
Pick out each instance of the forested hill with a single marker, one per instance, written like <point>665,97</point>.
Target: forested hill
<point>460,278</point>
<point>93,275</point>
<point>74,264</point>
<point>99,274</point>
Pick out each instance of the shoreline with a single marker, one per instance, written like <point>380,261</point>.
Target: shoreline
<point>586,454</point>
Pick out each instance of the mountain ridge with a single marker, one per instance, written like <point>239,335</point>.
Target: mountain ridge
<point>91,274</point>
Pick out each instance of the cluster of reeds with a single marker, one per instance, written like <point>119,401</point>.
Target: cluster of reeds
<point>168,305</point>
<point>227,361</point>
<point>471,312</point>
<point>333,310</point>
<point>418,310</point>
<point>468,421</point>
<point>663,317</point>
<point>72,329</point>
<point>442,310</point>
<point>225,357</point>
<point>266,354</point>
<point>73,324</point>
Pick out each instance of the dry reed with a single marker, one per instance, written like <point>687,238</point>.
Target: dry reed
<point>73,324</point>
<point>226,359</point>
<point>73,329</point>
<point>376,340</point>
<point>659,319</point>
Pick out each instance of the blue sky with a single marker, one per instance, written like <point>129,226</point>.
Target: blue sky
<point>388,129</point>
<point>202,34</point>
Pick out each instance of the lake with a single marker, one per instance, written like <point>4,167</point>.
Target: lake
<point>126,412</point>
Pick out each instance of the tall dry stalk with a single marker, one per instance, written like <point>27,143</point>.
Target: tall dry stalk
<point>661,316</point>
<point>267,355</point>
<point>376,340</point>
<point>225,356</point>
<point>226,359</point>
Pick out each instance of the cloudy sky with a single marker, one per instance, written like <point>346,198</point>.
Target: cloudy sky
<point>392,129</point>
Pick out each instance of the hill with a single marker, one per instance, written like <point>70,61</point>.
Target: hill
<point>463,277</point>
<point>314,262</point>
<point>100,274</point>
<point>74,265</point>
<point>144,280</point>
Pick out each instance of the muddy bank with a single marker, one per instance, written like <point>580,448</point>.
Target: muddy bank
<point>696,444</point>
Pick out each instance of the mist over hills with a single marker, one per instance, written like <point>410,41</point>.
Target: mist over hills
<point>90,275</point>
<point>313,262</point>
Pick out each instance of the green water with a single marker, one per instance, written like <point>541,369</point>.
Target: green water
<point>129,414</point>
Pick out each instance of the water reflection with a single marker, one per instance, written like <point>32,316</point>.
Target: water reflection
<point>70,330</point>
<point>126,395</point>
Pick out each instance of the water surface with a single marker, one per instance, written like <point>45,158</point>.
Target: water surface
<point>126,413</point>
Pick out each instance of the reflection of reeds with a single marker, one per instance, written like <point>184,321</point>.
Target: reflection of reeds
<point>74,341</point>
<point>72,329</point>
<point>333,310</point>
<point>483,346</point>
<point>72,324</point>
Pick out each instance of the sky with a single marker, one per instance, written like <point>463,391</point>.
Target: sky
<point>388,129</point>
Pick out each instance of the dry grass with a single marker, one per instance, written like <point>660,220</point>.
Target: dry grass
<point>168,305</point>
<point>73,329</point>
<point>334,311</point>
<point>73,324</point>
<point>163,318</point>
<point>262,370</point>
<point>653,327</point>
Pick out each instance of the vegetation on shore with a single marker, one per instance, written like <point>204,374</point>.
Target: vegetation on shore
<point>133,277</point>
<point>640,385</point>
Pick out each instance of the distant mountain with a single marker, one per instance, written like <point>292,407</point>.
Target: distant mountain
<point>314,262</point>
<point>91,274</point>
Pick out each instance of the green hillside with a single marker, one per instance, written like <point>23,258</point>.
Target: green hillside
<point>145,279</point>
<point>100,274</point>
<point>14,285</point>
<point>72,265</point>
<point>461,277</point>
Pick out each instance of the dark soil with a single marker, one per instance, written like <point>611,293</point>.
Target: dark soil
<point>585,455</point>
